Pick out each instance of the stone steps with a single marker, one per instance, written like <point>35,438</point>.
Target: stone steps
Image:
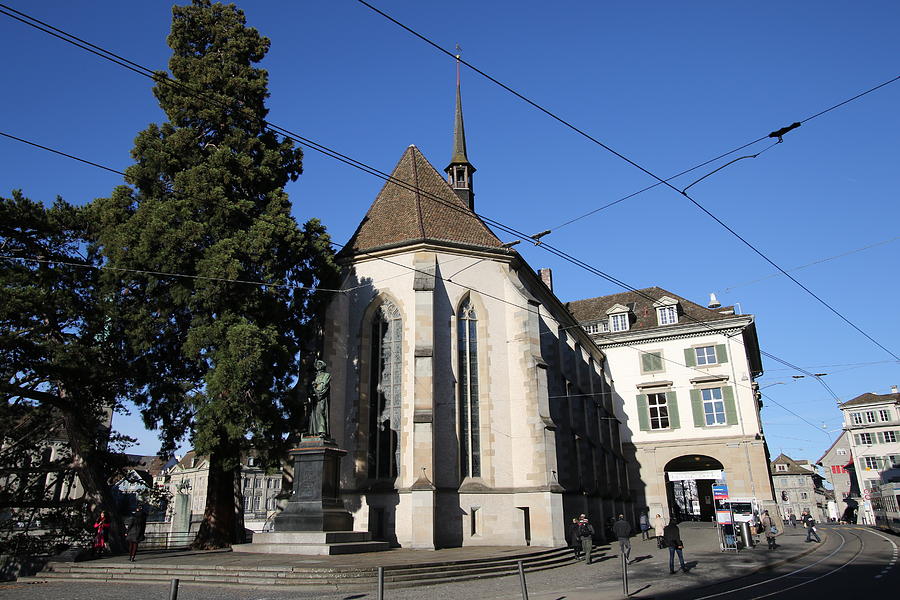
<point>307,578</point>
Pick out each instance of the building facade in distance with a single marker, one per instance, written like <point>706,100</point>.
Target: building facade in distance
<point>684,381</point>
<point>835,461</point>
<point>872,422</point>
<point>798,488</point>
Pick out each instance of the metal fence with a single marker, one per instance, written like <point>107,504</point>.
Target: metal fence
<point>168,540</point>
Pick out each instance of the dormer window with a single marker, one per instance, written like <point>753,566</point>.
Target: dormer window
<point>618,318</point>
<point>781,467</point>
<point>619,322</point>
<point>666,310</point>
<point>667,315</point>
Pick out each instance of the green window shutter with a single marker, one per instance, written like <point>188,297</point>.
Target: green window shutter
<point>880,437</point>
<point>672,402</point>
<point>856,438</point>
<point>721,353</point>
<point>646,362</point>
<point>730,409</point>
<point>643,412</point>
<point>690,357</point>
<point>697,408</point>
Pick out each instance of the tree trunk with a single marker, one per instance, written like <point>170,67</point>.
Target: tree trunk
<point>88,464</point>
<point>219,528</point>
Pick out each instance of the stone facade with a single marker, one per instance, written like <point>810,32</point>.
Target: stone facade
<point>684,381</point>
<point>474,409</point>
<point>798,488</point>
<point>187,481</point>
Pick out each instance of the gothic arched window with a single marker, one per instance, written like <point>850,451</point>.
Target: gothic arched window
<point>385,392</point>
<point>469,434</point>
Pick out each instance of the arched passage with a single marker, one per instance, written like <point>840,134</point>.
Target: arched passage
<point>689,481</point>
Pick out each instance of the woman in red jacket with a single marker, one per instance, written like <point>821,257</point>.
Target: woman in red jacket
<point>102,531</point>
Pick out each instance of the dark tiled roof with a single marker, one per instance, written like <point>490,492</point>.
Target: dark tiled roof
<point>153,465</point>
<point>869,398</point>
<point>403,215</point>
<point>643,314</point>
<point>793,466</point>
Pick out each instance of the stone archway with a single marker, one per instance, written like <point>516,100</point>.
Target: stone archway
<point>689,481</point>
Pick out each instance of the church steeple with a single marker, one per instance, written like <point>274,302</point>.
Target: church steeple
<point>460,170</point>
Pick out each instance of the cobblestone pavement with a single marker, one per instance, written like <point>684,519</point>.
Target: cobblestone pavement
<point>602,579</point>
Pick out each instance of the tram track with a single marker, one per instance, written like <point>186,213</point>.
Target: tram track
<point>794,573</point>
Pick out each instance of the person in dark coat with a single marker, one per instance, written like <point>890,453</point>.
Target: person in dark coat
<point>586,535</point>
<point>672,540</point>
<point>574,531</point>
<point>134,533</point>
<point>770,529</point>
<point>644,522</point>
<point>622,531</point>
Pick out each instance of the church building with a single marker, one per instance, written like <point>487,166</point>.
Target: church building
<point>473,407</point>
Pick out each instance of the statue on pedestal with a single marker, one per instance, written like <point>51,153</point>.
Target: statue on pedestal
<point>318,400</point>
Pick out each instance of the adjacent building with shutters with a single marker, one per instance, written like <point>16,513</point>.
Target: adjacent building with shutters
<point>872,422</point>
<point>684,381</point>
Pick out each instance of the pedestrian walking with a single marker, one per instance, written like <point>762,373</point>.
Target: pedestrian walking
<point>793,520</point>
<point>810,525</point>
<point>101,531</point>
<point>644,522</point>
<point>622,531</point>
<point>586,535</point>
<point>770,529</point>
<point>672,540</point>
<point>134,533</point>
<point>658,526</point>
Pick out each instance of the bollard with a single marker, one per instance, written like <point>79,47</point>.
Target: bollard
<point>380,594</point>
<point>522,581</point>
<point>624,575</point>
<point>173,591</point>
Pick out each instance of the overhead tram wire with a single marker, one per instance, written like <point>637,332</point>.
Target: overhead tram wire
<point>661,181</point>
<point>155,76</point>
<point>449,280</point>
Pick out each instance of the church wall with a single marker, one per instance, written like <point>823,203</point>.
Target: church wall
<point>524,362</point>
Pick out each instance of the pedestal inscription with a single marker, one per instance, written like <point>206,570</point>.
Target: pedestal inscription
<point>315,503</point>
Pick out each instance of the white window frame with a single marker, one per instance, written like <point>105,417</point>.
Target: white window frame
<point>592,327</point>
<point>618,322</point>
<point>705,360</point>
<point>870,417</point>
<point>865,439</point>
<point>780,467</point>
<point>715,403</point>
<point>841,452</point>
<point>871,462</point>
<point>661,420</point>
<point>856,418</point>
<point>893,434</point>
<point>667,315</point>
<point>885,415</point>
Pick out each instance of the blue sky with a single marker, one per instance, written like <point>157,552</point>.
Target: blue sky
<point>667,84</point>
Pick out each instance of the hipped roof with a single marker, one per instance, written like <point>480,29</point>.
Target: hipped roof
<point>417,205</point>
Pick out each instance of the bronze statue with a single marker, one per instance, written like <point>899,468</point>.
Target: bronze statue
<point>318,402</point>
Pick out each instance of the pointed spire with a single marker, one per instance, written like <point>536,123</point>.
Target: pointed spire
<point>460,170</point>
<point>459,129</point>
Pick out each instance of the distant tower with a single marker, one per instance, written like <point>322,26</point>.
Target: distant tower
<point>460,170</point>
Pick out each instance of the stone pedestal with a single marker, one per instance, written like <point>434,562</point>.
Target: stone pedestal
<point>314,522</point>
<point>315,504</point>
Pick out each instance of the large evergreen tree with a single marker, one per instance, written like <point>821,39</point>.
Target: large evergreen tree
<point>62,373</point>
<point>206,201</point>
